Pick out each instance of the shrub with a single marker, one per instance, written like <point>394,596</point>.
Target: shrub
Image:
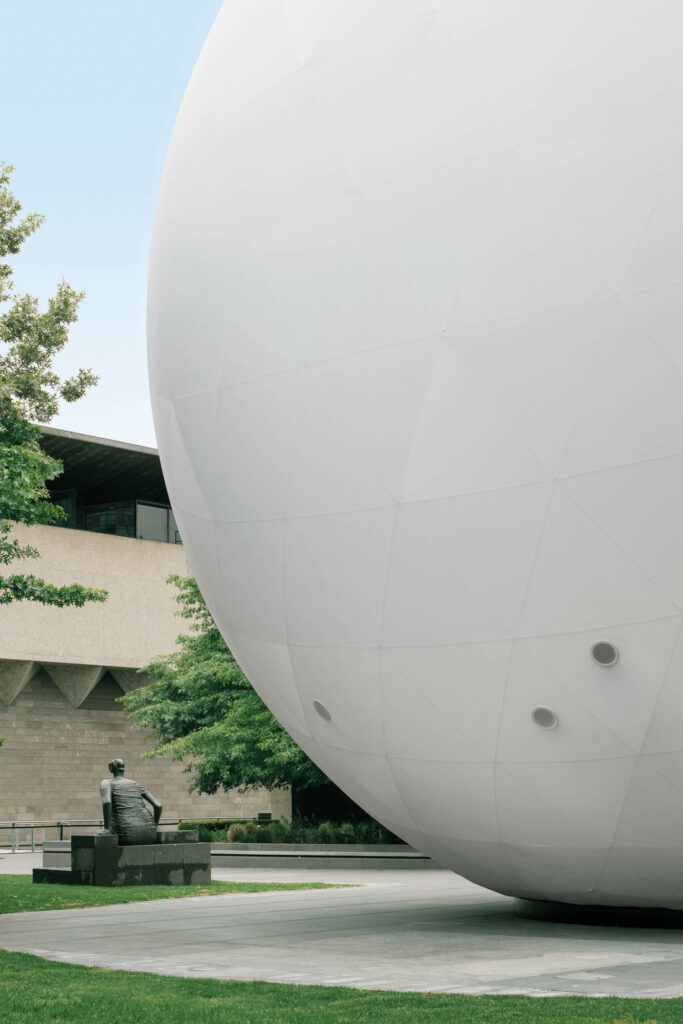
<point>213,824</point>
<point>347,832</point>
<point>236,833</point>
<point>278,832</point>
<point>327,832</point>
<point>251,831</point>
<point>301,830</point>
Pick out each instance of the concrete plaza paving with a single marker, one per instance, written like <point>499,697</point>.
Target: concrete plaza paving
<point>422,931</point>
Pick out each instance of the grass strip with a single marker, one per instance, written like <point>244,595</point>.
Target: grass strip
<point>19,894</point>
<point>35,991</point>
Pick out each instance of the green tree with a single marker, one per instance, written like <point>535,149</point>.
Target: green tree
<point>30,393</point>
<point>201,707</point>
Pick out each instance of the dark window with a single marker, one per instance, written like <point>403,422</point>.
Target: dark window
<point>69,501</point>
<point>117,518</point>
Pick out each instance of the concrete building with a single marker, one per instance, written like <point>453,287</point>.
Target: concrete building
<point>62,669</point>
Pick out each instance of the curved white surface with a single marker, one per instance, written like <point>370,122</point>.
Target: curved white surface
<point>416,355</point>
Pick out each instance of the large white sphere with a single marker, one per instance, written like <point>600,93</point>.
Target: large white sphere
<point>416,354</point>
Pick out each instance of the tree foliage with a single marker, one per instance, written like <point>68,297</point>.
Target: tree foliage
<point>30,393</point>
<point>202,708</point>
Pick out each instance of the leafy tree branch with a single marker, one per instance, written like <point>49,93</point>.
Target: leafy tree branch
<point>202,708</point>
<point>31,393</point>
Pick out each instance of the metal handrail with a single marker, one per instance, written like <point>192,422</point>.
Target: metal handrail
<point>15,827</point>
<point>77,821</point>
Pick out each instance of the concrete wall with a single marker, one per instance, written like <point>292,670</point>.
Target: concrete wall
<point>61,670</point>
<point>135,623</point>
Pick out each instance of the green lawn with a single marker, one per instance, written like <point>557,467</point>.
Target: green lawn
<point>34,991</point>
<point>18,893</point>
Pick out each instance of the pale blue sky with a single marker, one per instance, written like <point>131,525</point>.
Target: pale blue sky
<point>90,93</point>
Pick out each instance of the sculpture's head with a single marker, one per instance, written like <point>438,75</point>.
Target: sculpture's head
<point>116,767</point>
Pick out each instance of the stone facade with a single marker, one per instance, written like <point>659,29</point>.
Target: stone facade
<point>61,670</point>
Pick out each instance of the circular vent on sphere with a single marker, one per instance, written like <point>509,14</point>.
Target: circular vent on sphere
<point>604,653</point>
<point>322,710</point>
<point>544,717</point>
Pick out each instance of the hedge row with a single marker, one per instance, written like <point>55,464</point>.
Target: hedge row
<point>298,831</point>
<point>215,824</point>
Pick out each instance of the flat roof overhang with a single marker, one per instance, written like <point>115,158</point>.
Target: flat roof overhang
<point>103,471</point>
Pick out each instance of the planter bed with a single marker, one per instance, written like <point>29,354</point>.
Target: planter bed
<point>352,856</point>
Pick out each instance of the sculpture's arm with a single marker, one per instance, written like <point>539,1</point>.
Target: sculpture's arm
<point>155,804</point>
<point>105,791</point>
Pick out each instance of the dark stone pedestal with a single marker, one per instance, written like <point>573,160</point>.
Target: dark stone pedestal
<point>175,859</point>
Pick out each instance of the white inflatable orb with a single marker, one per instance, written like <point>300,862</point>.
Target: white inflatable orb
<point>416,355</point>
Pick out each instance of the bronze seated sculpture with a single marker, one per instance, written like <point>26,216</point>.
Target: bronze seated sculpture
<point>129,850</point>
<point>124,810</point>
